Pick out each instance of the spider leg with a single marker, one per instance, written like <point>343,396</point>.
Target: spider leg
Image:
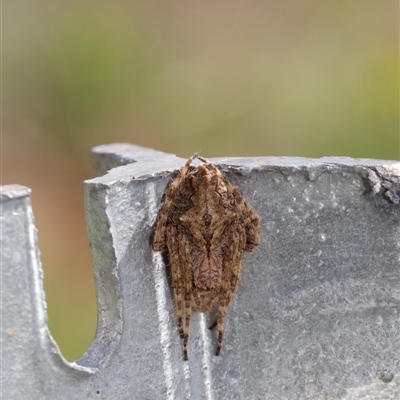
<point>176,274</point>
<point>233,253</point>
<point>181,281</point>
<point>200,306</point>
<point>188,313</point>
<point>186,283</point>
<point>197,301</point>
<point>202,159</point>
<point>250,219</point>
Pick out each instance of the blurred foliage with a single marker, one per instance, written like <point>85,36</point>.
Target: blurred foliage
<point>247,78</point>
<point>97,66</point>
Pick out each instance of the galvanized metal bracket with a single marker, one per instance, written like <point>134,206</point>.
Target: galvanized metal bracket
<point>316,314</point>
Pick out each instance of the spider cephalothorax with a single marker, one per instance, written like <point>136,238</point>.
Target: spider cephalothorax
<point>204,226</point>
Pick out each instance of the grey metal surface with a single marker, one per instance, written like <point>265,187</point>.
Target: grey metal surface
<point>316,314</point>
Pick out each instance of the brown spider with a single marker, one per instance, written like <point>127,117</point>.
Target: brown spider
<point>204,226</point>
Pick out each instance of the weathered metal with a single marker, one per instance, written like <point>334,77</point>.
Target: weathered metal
<point>316,314</point>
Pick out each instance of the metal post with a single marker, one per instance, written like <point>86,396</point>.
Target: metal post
<point>316,314</point>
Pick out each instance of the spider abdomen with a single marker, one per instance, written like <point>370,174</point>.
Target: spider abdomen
<point>207,270</point>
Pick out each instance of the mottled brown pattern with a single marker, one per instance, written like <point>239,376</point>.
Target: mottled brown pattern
<point>204,226</point>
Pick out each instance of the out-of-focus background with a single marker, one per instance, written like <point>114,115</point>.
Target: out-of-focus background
<point>245,77</point>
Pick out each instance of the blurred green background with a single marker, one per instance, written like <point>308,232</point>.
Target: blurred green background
<point>257,77</point>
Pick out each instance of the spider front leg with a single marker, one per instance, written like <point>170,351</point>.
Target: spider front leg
<point>176,274</point>
<point>188,313</point>
<point>178,254</point>
<point>223,304</point>
<point>225,298</point>
<point>186,285</point>
<point>251,221</point>
<point>233,253</point>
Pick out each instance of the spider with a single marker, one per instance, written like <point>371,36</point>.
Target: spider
<point>204,227</point>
